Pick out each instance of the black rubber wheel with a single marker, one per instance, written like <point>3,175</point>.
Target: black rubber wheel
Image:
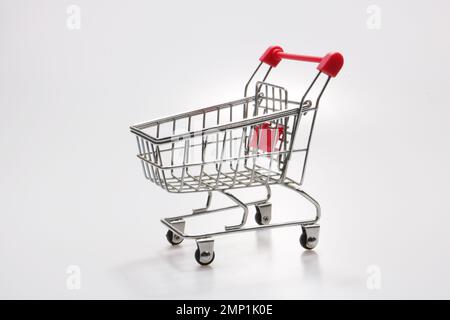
<point>197,258</point>
<point>303,241</point>
<point>258,218</point>
<point>169,237</point>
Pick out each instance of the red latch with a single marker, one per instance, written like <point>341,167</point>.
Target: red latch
<point>269,137</point>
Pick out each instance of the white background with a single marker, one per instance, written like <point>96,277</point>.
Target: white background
<point>72,191</point>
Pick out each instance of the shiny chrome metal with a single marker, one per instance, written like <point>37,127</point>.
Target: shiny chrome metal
<point>206,250</point>
<point>243,206</point>
<point>223,147</point>
<point>311,234</point>
<point>290,185</point>
<point>293,186</point>
<point>312,127</point>
<point>179,225</point>
<point>265,210</point>
<point>208,203</point>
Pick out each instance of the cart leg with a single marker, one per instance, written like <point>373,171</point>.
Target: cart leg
<point>310,230</point>
<point>173,237</point>
<point>313,201</point>
<point>242,205</point>
<point>204,254</point>
<point>307,197</point>
<point>208,203</point>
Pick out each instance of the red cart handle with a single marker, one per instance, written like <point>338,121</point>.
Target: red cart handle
<point>329,64</point>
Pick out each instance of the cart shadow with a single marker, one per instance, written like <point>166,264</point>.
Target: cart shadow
<point>310,261</point>
<point>264,239</point>
<point>162,274</point>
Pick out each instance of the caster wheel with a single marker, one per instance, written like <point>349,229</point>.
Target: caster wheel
<point>205,258</point>
<point>263,219</point>
<point>303,241</point>
<point>259,220</point>
<point>309,237</point>
<point>173,238</point>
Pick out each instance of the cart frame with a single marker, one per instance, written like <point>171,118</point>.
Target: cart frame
<point>280,115</point>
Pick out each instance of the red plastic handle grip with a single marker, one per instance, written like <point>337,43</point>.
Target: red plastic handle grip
<point>330,64</point>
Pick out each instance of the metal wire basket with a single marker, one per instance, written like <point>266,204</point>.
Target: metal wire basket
<point>243,143</point>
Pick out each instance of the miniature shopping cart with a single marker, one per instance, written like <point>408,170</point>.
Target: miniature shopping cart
<point>238,144</point>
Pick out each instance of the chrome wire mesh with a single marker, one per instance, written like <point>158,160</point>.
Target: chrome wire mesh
<point>238,144</point>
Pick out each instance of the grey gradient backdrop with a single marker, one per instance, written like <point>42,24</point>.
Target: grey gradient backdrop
<point>72,191</point>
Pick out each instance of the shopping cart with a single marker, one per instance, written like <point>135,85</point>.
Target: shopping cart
<point>238,144</point>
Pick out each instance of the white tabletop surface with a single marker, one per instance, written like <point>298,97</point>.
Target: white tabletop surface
<point>74,199</point>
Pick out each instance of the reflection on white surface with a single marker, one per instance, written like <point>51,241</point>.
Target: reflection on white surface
<point>310,262</point>
<point>256,262</point>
